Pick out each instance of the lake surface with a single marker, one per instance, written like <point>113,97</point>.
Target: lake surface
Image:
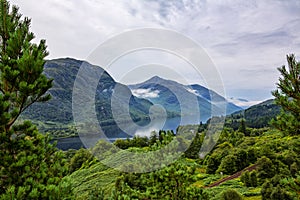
<point>154,125</point>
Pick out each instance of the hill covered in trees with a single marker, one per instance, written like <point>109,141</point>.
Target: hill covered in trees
<point>256,116</point>
<point>275,174</point>
<point>57,112</point>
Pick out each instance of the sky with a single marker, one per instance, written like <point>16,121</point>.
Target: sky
<point>246,40</point>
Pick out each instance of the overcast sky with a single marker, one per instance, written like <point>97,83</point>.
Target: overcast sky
<point>246,40</point>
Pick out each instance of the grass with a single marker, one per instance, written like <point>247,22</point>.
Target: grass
<point>96,176</point>
<point>248,193</point>
<point>253,198</point>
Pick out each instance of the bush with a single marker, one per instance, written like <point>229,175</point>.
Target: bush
<point>249,179</point>
<point>228,165</point>
<point>277,188</point>
<point>265,169</point>
<point>230,194</point>
<point>81,156</point>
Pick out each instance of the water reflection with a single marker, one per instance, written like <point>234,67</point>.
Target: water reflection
<point>113,132</point>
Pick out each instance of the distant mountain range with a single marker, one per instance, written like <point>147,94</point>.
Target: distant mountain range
<point>180,99</point>
<point>58,111</point>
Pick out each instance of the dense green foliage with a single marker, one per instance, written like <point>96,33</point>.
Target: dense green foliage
<point>270,152</point>
<point>256,116</point>
<point>172,182</point>
<point>22,82</point>
<point>288,97</point>
<point>249,179</point>
<point>230,194</point>
<point>30,167</point>
<point>81,157</point>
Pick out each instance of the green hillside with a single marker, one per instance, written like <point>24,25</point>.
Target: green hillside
<point>268,157</point>
<point>257,116</point>
<point>57,112</point>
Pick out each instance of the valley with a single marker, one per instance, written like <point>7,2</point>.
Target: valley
<point>70,129</point>
<point>55,116</point>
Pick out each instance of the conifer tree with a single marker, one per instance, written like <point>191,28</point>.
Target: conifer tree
<point>287,96</point>
<point>30,167</point>
<point>243,128</point>
<point>194,148</point>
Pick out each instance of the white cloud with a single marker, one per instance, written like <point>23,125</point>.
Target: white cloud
<point>243,103</point>
<point>247,40</point>
<point>195,92</point>
<point>145,93</point>
<point>192,91</point>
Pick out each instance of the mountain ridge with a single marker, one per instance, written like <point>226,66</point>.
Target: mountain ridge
<point>256,116</point>
<point>59,109</point>
<point>168,94</point>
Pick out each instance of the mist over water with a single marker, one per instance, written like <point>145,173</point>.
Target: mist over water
<point>156,125</point>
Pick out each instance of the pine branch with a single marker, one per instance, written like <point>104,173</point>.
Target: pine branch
<point>22,108</point>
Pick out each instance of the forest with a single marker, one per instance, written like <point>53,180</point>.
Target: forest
<point>246,162</point>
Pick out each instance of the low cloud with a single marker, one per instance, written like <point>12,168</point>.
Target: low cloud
<point>145,93</point>
<point>243,103</point>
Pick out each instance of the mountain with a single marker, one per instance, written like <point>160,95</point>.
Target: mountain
<point>256,116</point>
<point>58,111</point>
<point>169,94</point>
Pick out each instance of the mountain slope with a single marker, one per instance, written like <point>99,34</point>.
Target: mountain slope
<point>169,93</point>
<point>59,109</point>
<point>256,116</point>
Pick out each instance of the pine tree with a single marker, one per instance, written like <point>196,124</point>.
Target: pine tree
<point>194,148</point>
<point>288,97</point>
<point>243,128</point>
<point>30,167</point>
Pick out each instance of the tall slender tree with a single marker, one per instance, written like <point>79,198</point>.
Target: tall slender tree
<point>30,167</point>
<point>22,62</point>
<point>287,96</point>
